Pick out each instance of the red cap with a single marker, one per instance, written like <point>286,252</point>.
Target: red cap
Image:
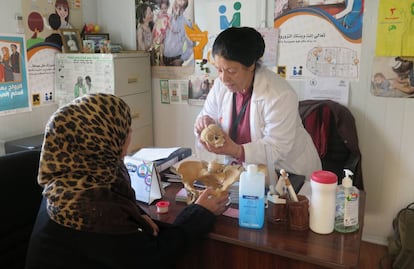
<point>324,177</point>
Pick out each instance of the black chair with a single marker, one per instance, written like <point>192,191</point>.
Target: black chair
<point>19,201</point>
<point>333,130</point>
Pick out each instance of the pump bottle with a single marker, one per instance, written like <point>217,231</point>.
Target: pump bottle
<point>251,198</point>
<point>347,204</point>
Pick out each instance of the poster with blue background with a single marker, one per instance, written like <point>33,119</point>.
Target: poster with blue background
<point>14,92</point>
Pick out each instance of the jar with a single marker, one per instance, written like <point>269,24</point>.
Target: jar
<point>322,205</point>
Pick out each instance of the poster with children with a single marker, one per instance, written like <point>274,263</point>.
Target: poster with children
<point>393,77</point>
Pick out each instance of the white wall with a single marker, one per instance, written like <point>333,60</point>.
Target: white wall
<point>384,126</point>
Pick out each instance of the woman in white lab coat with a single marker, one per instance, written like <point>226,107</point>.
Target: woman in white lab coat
<point>255,107</point>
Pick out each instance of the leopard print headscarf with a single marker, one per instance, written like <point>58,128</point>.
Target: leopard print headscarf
<point>81,167</point>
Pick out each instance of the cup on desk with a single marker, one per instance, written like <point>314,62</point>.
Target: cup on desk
<point>277,213</point>
<point>298,213</point>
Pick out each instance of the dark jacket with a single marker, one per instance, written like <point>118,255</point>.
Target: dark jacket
<point>332,127</point>
<point>56,246</point>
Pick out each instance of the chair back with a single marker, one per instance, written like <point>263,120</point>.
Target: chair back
<point>333,131</point>
<point>19,204</point>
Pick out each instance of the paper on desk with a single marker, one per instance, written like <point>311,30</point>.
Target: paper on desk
<point>153,154</point>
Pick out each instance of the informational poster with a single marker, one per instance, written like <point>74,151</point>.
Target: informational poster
<point>319,38</point>
<point>178,91</point>
<point>41,70</point>
<point>83,73</point>
<point>43,20</point>
<point>395,30</point>
<point>14,86</point>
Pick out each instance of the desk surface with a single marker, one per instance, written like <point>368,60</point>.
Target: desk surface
<point>334,250</point>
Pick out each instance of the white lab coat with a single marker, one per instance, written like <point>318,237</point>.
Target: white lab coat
<point>274,121</point>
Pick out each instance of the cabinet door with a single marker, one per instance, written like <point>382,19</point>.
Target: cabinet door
<point>141,112</point>
<point>132,75</point>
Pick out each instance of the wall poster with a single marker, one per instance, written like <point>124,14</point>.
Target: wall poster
<point>42,20</point>
<point>319,38</point>
<point>81,73</point>
<point>395,30</point>
<point>14,93</point>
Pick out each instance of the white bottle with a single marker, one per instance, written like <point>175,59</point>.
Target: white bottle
<point>322,203</point>
<point>347,205</point>
<point>251,198</point>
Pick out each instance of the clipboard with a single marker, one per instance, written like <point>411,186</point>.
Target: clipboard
<point>145,179</point>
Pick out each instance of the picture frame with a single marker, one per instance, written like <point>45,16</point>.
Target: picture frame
<point>98,38</point>
<point>88,46</point>
<point>72,42</point>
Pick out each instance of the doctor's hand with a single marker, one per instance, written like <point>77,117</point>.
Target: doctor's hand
<point>230,148</point>
<point>202,123</point>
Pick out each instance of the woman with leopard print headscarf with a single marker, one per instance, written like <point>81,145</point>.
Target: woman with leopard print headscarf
<point>89,217</point>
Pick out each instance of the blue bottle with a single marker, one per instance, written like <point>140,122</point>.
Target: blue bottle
<point>251,198</point>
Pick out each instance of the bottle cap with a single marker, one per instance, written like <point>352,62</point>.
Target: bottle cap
<point>347,181</point>
<point>252,169</point>
<point>162,207</point>
<point>324,177</point>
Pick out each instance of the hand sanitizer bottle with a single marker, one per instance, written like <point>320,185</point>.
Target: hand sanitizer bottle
<point>251,198</point>
<point>347,205</point>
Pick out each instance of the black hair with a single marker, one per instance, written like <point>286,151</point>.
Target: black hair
<point>241,44</point>
<point>140,13</point>
<point>54,21</point>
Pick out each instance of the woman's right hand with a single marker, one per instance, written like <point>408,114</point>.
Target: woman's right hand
<point>216,204</point>
<point>202,123</point>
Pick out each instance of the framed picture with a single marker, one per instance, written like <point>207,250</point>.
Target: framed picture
<point>88,46</point>
<point>98,39</point>
<point>72,42</point>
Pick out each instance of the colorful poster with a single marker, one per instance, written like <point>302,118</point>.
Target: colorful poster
<point>395,30</point>
<point>161,31</point>
<point>14,90</point>
<point>215,16</point>
<point>319,38</point>
<point>43,19</point>
<point>393,77</point>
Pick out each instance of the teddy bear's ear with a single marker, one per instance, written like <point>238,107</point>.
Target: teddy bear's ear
<point>213,135</point>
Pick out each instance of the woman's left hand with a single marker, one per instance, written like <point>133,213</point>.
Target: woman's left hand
<point>154,226</point>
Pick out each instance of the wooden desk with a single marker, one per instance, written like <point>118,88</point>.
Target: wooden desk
<point>274,246</point>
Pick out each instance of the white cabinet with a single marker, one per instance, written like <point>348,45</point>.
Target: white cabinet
<point>132,74</point>
<point>127,75</point>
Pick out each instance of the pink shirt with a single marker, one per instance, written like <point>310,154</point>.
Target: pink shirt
<point>243,128</point>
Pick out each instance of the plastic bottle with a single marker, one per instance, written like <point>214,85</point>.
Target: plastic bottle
<point>347,205</point>
<point>322,203</point>
<point>251,198</point>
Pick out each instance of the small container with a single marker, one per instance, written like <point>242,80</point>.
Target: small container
<point>162,207</point>
<point>251,198</point>
<point>298,213</point>
<point>322,203</point>
<point>277,212</point>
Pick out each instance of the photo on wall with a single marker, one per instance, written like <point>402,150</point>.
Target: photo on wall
<point>393,77</point>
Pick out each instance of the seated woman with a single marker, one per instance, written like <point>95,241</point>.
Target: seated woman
<point>89,217</point>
